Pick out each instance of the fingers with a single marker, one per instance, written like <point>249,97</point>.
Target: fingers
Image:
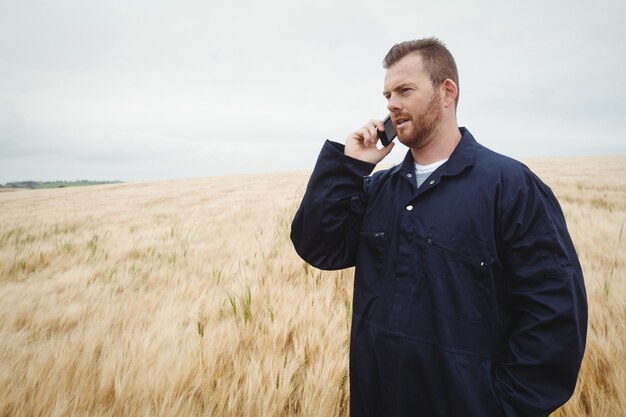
<point>368,134</point>
<point>378,124</point>
<point>372,130</point>
<point>362,143</point>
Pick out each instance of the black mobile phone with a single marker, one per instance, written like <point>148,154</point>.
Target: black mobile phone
<point>389,134</point>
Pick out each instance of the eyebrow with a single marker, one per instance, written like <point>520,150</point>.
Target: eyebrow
<point>398,87</point>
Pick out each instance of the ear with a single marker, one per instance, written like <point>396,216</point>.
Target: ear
<point>449,92</point>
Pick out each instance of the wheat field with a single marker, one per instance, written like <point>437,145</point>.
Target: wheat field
<point>185,298</point>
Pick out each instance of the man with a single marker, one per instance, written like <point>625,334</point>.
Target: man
<point>469,298</point>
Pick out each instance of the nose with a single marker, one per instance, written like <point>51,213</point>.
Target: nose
<point>393,105</point>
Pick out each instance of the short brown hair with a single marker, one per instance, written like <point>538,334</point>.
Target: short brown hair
<point>438,61</point>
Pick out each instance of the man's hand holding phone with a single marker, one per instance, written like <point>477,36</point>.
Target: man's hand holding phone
<point>361,144</point>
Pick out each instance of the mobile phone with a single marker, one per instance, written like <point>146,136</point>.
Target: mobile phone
<point>389,134</point>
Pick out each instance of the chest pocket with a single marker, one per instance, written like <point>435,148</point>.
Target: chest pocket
<point>454,273</point>
<point>373,242</point>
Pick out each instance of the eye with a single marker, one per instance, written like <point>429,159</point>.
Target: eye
<point>405,90</point>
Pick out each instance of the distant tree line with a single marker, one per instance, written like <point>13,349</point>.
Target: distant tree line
<point>54,184</point>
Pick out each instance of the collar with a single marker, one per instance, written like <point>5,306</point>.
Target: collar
<point>463,156</point>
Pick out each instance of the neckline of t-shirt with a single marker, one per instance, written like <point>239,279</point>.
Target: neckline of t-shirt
<point>430,167</point>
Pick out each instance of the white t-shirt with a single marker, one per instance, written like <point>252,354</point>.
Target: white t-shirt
<point>422,172</point>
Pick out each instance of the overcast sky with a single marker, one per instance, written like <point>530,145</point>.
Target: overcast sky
<point>144,90</point>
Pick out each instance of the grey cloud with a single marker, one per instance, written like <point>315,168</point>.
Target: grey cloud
<point>167,89</point>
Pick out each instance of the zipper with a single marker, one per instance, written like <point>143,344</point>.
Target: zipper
<point>473,261</point>
<point>373,234</point>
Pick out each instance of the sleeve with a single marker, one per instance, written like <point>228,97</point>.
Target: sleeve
<point>546,340</point>
<point>325,229</point>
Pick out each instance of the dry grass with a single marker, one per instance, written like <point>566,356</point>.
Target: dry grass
<point>185,298</point>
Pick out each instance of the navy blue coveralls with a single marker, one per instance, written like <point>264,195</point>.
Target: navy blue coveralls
<point>469,299</point>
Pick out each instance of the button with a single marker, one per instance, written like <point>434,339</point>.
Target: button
<point>432,182</point>
<point>409,175</point>
<point>409,208</point>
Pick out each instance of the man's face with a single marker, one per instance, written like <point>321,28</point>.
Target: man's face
<point>415,106</point>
